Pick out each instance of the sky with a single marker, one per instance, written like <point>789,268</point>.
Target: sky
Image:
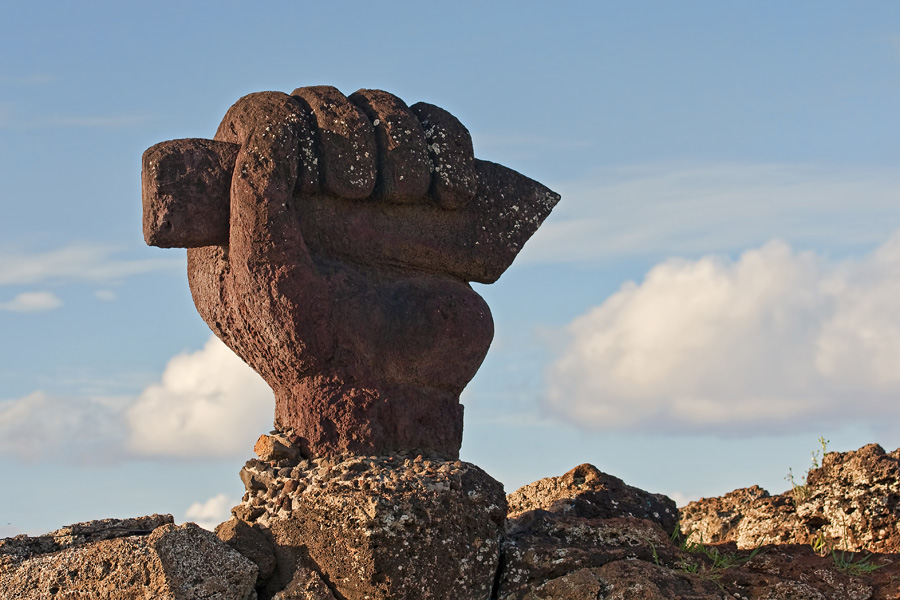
<point>718,288</point>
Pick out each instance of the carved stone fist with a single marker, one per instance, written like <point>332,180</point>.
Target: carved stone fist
<point>330,245</point>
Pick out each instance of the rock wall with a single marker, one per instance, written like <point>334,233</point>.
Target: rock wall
<point>369,527</point>
<point>851,502</point>
<point>124,559</point>
<point>402,527</point>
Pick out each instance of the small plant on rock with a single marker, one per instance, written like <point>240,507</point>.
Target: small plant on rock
<point>720,560</point>
<point>854,565</point>
<point>820,544</point>
<point>800,491</point>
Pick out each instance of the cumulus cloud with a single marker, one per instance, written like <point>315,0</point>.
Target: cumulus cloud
<point>688,210</point>
<point>208,403</point>
<point>211,513</point>
<point>76,263</point>
<point>32,302</point>
<point>771,341</point>
<point>40,426</point>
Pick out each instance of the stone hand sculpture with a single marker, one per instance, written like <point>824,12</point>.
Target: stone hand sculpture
<point>331,242</point>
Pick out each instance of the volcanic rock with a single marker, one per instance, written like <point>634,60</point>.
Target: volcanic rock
<point>148,557</point>
<point>587,492</point>
<point>851,502</point>
<point>331,242</point>
<point>561,555</point>
<point>389,527</point>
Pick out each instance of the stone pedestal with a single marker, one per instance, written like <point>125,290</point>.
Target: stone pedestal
<point>374,527</point>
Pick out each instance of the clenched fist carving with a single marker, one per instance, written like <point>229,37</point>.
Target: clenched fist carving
<point>331,242</point>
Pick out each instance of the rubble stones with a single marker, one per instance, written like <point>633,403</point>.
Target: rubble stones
<point>587,492</point>
<point>553,552</point>
<point>542,546</point>
<point>377,527</point>
<point>22,547</point>
<point>251,543</point>
<point>171,562</point>
<point>406,526</point>
<point>307,584</point>
<point>851,502</point>
<point>277,447</point>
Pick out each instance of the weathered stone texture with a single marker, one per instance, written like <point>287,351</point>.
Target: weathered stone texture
<point>402,527</point>
<point>542,546</point>
<point>587,492</point>
<point>330,245</point>
<point>387,527</point>
<point>851,502</point>
<point>561,555</point>
<point>171,562</point>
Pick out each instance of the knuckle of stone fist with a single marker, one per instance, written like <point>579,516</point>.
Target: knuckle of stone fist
<point>450,150</point>
<point>404,171</point>
<point>372,145</point>
<point>345,142</point>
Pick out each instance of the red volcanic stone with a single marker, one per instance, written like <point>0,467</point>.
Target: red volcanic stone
<point>404,169</point>
<point>450,148</point>
<point>345,141</point>
<point>187,211</point>
<point>314,254</point>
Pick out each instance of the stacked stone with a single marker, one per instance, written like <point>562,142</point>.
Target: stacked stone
<point>275,487</point>
<point>124,559</point>
<point>390,527</point>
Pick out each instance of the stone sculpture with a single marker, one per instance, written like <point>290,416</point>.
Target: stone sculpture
<point>331,242</point>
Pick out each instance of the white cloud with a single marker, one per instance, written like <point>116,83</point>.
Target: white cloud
<point>773,341</point>
<point>211,513</point>
<point>32,302</point>
<point>208,403</point>
<point>40,426</point>
<point>105,295</point>
<point>656,211</point>
<point>76,262</point>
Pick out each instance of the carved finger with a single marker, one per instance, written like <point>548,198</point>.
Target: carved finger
<point>477,242</point>
<point>453,180</point>
<point>265,275</point>
<point>185,187</point>
<point>241,121</point>
<point>404,169</point>
<point>345,141</point>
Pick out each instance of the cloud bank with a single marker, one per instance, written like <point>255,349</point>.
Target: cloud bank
<point>211,513</point>
<point>208,403</point>
<point>42,426</point>
<point>772,341</point>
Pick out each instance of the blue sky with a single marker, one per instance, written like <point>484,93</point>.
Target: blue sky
<point>716,290</point>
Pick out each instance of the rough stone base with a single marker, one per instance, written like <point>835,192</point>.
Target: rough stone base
<point>124,559</point>
<point>372,528</point>
<point>851,502</point>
